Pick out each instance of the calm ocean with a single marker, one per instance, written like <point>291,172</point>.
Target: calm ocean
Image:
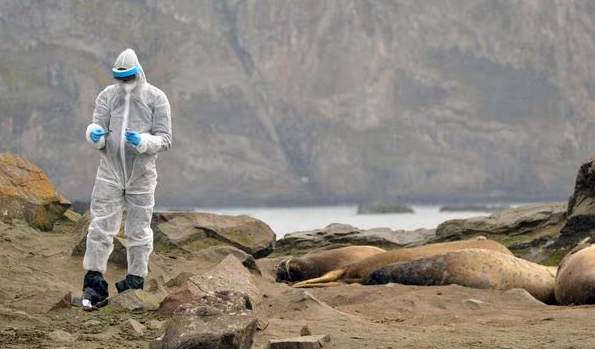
<point>284,220</point>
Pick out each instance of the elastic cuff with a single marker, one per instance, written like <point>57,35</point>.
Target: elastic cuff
<point>101,143</point>
<point>143,145</point>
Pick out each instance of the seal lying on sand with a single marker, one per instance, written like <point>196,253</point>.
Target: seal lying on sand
<point>317,263</point>
<point>359,271</point>
<point>477,268</point>
<point>575,280</point>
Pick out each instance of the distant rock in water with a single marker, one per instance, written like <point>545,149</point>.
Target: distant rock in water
<point>377,207</point>
<point>473,208</point>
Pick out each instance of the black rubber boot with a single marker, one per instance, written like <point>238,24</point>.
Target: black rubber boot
<point>95,289</point>
<point>131,282</point>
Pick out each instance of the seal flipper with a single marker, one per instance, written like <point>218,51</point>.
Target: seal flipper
<point>331,276</point>
<point>321,284</point>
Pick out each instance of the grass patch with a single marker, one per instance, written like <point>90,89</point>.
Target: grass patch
<point>201,244</point>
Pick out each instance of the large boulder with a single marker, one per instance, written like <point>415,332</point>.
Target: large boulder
<point>530,230</point>
<point>194,231</point>
<point>225,319</point>
<point>228,275</point>
<point>27,194</point>
<point>580,217</point>
<point>336,235</point>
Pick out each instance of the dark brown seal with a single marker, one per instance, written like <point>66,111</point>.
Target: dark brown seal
<point>317,263</point>
<point>476,268</point>
<point>359,271</point>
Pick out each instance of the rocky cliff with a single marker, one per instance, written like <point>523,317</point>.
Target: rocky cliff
<point>315,101</point>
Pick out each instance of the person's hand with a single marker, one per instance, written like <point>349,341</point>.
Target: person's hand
<point>96,134</point>
<point>132,137</point>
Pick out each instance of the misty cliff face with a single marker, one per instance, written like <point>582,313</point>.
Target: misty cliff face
<point>305,101</point>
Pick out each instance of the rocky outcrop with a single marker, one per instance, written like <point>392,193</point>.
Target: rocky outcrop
<point>530,230</point>
<point>580,221</point>
<point>334,235</point>
<point>27,194</point>
<point>193,231</point>
<point>524,220</point>
<point>381,207</point>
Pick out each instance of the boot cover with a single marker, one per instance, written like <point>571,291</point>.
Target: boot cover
<point>95,289</point>
<point>131,282</point>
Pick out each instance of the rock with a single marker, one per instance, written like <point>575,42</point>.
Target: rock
<point>221,320</point>
<point>581,208</point>
<point>218,253</point>
<point>303,342</point>
<point>46,301</point>
<point>305,331</point>
<point>185,292</point>
<point>60,336</point>
<point>380,207</point>
<point>93,326</point>
<point>346,234</point>
<point>223,331</point>
<point>179,279</point>
<point>229,275</point>
<point>155,324</point>
<point>133,327</point>
<point>195,231</point>
<point>523,295</point>
<point>529,231</point>
<point>473,304</point>
<point>14,314</point>
<point>27,194</point>
<point>131,300</point>
<point>515,221</point>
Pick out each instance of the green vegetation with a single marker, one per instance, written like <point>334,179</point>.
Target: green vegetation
<point>202,244</point>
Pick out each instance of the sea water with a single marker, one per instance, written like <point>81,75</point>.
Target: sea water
<point>284,220</point>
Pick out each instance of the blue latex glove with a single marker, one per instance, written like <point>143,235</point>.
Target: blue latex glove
<point>132,137</point>
<point>96,134</point>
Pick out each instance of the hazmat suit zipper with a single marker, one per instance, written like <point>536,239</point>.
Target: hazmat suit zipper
<point>123,138</point>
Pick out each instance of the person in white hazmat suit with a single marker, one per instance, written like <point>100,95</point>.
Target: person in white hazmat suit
<point>131,125</point>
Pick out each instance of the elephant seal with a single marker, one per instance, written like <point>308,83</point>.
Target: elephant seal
<point>316,263</point>
<point>359,271</point>
<point>575,280</point>
<point>476,268</point>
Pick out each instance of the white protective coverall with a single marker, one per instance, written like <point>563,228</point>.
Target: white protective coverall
<point>126,177</point>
